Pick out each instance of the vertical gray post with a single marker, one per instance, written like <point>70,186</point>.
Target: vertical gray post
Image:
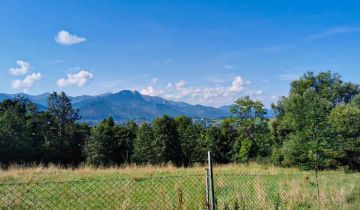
<point>211,184</point>
<point>207,188</point>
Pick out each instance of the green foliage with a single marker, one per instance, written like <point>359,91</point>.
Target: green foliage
<point>110,144</point>
<point>327,86</point>
<point>244,153</point>
<point>310,134</point>
<point>17,142</point>
<point>143,145</point>
<point>253,140</point>
<point>317,126</point>
<point>345,121</point>
<point>222,140</point>
<point>166,144</point>
<point>60,130</point>
<point>61,112</point>
<point>99,148</point>
<point>310,120</point>
<point>125,136</point>
<point>192,141</point>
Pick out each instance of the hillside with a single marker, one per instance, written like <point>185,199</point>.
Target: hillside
<point>126,105</point>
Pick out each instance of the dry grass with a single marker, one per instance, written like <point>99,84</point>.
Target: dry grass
<point>247,186</point>
<point>19,173</point>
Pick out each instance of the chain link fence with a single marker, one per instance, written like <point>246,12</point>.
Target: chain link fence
<point>297,191</point>
<point>232,191</point>
<point>172,192</point>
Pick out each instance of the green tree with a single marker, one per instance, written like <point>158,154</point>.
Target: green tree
<point>326,85</point>
<point>99,147</point>
<point>191,138</point>
<point>345,121</point>
<point>222,140</point>
<point>308,144</point>
<point>167,146</point>
<point>61,128</point>
<point>253,139</point>
<point>18,140</point>
<point>62,113</point>
<point>125,136</point>
<point>301,133</point>
<point>143,145</point>
<point>216,141</point>
<point>76,145</point>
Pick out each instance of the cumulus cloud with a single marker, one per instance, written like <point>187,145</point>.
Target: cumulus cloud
<point>23,68</point>
<point>79,79</point>
<point>237,85</point>
<point>65,38</point>
<point>27,82</point>
<point>151,91</point>
<point>211,93</point>
<point>215,94</point>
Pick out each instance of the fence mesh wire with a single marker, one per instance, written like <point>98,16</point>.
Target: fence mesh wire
<point>297,191</point>
<point>185,192</point>
<point>232,191</point>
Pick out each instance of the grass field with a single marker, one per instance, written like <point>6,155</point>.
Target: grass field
<point>250,186</point>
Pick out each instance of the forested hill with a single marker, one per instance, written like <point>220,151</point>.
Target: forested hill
<point>128,105</point>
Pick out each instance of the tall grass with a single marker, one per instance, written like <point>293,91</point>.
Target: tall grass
<point>237,186</point>
<point>20,173</point>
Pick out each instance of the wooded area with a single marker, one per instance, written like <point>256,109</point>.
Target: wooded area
<point>317,126</point>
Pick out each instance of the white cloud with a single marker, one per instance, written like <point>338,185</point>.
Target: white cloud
<point>180,84</point>
<point>27,82</point>
<point>23,68</point>
<point>215,94</point>
<point>150,91</point>
<point>237,84</point>
<point>78,79</point>
<point>65,38</point>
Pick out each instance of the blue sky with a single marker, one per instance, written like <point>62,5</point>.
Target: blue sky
<point>206,52</point>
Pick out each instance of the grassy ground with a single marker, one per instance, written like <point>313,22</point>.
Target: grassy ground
<point>250,186</point>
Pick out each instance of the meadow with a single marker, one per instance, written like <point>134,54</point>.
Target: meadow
<point>250,186</point>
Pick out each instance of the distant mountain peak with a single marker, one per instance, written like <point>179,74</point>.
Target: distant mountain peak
<point>128,104</point>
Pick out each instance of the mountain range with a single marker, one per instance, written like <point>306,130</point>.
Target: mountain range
<point>131,105</point>
<point>126,105</point>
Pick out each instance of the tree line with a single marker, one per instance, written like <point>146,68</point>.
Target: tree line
<point>317,126</point>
